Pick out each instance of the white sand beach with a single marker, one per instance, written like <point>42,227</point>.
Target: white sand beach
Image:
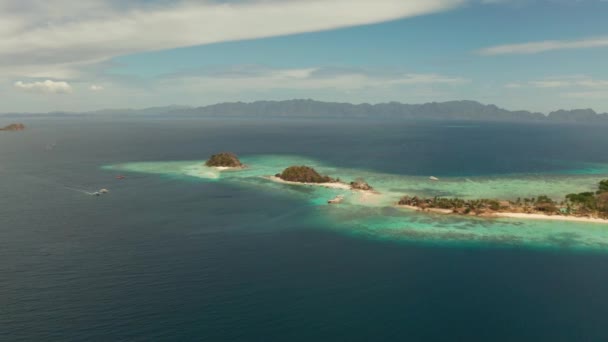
<point>550,217</point>
<point>512,215</point>
<point>228,168</point>
<point>335,185</point>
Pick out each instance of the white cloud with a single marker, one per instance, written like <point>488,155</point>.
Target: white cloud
<point>95,87</point>
<point>295,73</point>
<point>336,79</point>
<point>587,95</point>
<point>593,83</point>
<point>513,85</point>
<point>578,81</point>
<point>543,46</point>
<point>44,37</point>
<point>549,84</point>
<point>426,79</point>
<point>45,87</point>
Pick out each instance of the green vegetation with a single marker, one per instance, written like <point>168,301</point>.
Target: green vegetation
<point>224,159</point>
<point>602,203</point>
<point>582,204</point>
<point>545,204</point>
<point>457,205</point>
<point>603,186</point>
<point>586,199</point>
<point>590,203</point>
<point>303,174</point>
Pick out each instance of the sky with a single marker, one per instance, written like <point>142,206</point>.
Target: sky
<point>65,55</point>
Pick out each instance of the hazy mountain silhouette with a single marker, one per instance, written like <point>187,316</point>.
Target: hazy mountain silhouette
<point>452,110</point>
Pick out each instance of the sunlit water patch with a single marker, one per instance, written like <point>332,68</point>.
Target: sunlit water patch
<point>374,216</point>
<point>173,168</point>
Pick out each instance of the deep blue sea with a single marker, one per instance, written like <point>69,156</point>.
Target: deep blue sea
<point>172,258</point>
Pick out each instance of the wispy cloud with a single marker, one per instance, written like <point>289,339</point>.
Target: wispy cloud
<point>51,39</point>
<point>588,95</point>
<point>95,87</point>
<point>577,81</point>
<point>513,85</point>
<point>338,79</point>
<point>550,84</point>
<point>45,87</point>
<point>544,46</point>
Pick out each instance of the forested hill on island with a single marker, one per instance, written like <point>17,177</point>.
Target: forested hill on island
<point>452,110</point>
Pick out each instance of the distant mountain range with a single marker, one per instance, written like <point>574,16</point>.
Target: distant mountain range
<point>452,110</point>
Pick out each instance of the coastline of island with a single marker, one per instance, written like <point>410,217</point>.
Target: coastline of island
<point>494,215</point>
<point>591,207</point>
<point>334,185</point>
<point>305,175</point>
<point>550,217</point>
<point>228,168</point>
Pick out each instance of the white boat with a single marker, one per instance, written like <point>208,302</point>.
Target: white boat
<point>433,178</point>
<point>336,200</point>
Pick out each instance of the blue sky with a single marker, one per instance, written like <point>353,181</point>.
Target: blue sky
<point>520,54</point>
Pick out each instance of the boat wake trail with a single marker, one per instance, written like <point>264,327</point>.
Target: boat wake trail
<point>55,184</point>
<point>81,191</point>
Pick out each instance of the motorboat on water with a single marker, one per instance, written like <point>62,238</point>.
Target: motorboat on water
<point>99,192</point>
<point>336,200</point>
<point>433,178</point>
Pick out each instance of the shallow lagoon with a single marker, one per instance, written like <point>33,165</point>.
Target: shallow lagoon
<point>374,216</point>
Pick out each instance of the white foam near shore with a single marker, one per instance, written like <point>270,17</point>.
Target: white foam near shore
<point>334,185</point>
<point>227,168</point>
<point>551,217</point>
<point>511,215</point>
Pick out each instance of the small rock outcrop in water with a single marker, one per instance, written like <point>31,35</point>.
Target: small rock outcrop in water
<point>13,127</point>
<point>224,159</point>
<point>360,184</point>
<point>303,174</point>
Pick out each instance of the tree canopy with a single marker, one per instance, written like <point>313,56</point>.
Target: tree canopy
<point>303,174</point>
<point>224,159</point>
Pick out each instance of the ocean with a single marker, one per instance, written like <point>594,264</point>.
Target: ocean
<point>174,252</point>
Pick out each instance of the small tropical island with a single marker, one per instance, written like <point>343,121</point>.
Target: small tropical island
<point>585,206</point>
<point>303,174</point>
<point>306,175</point>
<point>309,176</point>
<point>224,161</point>
<point>13,127</point>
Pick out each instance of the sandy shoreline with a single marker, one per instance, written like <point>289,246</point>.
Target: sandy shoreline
<point>426,210</point>
<point>367,197</point>
<point>511,215</point>
<point>227,168</point>
<point>344,186</point>
<point>550,217</point>
<point>334,185</point>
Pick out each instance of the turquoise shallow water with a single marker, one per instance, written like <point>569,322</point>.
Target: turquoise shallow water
<point>374,216</point>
